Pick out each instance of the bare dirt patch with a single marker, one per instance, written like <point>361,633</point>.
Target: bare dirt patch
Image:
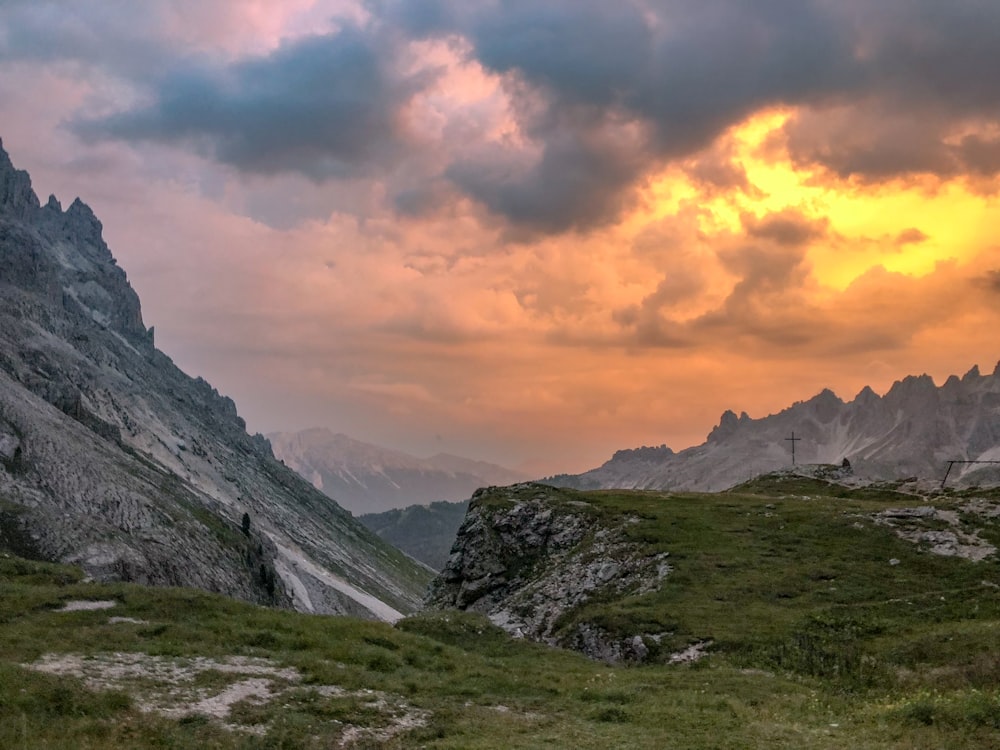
<point>179,687</point>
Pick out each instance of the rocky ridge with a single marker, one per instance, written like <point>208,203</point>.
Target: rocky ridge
<point>914,430</point>
<point>528,556</point>
<point>114,459</point>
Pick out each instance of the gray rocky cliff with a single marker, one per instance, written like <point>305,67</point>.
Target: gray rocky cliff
<point>114,459</point>
<point>530,557</point>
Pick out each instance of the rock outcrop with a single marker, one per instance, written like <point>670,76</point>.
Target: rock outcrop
<point>530,557</point>
<point>114,459</point>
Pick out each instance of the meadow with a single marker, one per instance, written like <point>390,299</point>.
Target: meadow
<point>822,629</point>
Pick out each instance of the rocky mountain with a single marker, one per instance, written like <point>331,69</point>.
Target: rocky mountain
<point>914,430</point>
<point>113,459</point>
<point>367,478</point>
<point>424,532</point>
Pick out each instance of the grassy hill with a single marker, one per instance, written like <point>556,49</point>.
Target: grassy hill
<point>827,630</point>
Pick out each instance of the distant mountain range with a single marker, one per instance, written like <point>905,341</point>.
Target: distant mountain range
<point>914,430</point>
<point>366,478</point>
<point>113,459</point>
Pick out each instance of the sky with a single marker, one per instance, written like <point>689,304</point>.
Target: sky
<point>529,232</point>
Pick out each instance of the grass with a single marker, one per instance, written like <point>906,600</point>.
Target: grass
<point>818,643</point>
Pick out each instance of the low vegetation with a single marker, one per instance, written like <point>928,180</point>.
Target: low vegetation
<point>826,630</point>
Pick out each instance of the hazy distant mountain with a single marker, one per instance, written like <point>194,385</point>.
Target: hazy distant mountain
<point>366,478</point>
<point>424,532</point>
<point>911,431</point>
<point>113,459</point>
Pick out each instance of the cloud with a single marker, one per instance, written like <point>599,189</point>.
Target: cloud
<point>580,179</point>
<point>324,106</point>
<point>991,281</point>
<point>614,92</point>
<point>787,228</point>
<point>911,236</point>
<point>718,171</point>
<point>599,96</point>
<point>774,306</point>
<point>880,90</point>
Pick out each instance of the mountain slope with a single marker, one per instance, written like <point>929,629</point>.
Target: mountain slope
<point>425,532</point>
<point>112,458</point>
<point>911,431</point>
<point>367,478</point>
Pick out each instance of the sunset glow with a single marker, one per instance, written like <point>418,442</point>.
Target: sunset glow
<point>530,234</point>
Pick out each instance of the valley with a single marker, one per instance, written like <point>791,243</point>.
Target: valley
<point>818,626</point>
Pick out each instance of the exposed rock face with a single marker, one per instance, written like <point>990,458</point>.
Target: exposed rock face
<point>530,556</point>
<point>114,459</point>
<point>912,431</point>
<point>961,535</point>
<point>16,196</point>
<point>368,478</point>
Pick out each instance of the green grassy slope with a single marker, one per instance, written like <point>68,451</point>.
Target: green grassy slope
<point>819,642</point>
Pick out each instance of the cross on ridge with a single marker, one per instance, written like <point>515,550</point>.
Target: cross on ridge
<point>793,440</point>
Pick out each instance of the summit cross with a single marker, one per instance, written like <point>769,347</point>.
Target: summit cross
<point>793,440</point>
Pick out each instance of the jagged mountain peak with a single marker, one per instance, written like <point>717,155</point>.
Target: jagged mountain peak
<point>826,396</point>
<point>17,197</point>
<point>81,218</point>
<point>728,424</point>
<point>866,395</point>
<point>910,431</point>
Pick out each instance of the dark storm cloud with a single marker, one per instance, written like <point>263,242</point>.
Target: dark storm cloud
<point>898,74</point>
<point>324,106</point>
<point>580,180</point>
<point>603,94</point>
<point>929,72</point>
<point>621,88</point>
<point>980,155</point>
<point>878,140</point>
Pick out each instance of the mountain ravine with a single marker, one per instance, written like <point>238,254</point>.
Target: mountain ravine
<point>113,459</point>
